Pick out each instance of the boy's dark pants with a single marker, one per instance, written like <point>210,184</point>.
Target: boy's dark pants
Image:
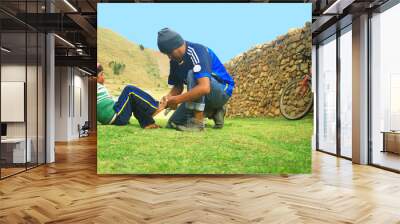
<point>137,102</point>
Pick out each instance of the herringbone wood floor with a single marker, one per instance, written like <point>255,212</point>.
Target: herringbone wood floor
<point>69,191</point>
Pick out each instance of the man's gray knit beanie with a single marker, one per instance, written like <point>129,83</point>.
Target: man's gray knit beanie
<point>168,40</point>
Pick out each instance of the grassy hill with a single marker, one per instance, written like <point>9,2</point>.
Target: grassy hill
<point>147,69</point>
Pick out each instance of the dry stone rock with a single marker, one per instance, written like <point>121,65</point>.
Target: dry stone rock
<point>262,72</point>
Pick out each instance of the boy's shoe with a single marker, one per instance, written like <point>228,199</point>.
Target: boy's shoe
<point>191,125</point>
<point>152,126</point>
<point>171,125</point>
<point>218,118</point>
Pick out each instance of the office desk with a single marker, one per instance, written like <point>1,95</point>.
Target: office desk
<point>391,141</point>
<point>13,150</point>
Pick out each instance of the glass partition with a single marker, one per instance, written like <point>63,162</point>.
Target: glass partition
<point>13,92</point>
<point>22,101</point>
<point>385,89</point>
<point>327,95</point>
<point>32,98</point>
<point>346,92</point>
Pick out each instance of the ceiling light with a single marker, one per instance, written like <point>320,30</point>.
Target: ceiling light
<point>5,50</point>
<point>70,5</point>
<point>86,72</point>
<point>64,40</point>
<point>337,7</point>
<point>79,51</point>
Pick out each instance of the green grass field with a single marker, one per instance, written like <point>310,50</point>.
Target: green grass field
<point>243,146</point>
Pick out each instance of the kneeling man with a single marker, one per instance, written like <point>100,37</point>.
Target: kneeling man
<point>209,85</point>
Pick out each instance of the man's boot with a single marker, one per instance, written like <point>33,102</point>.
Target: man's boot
<point>195,123</point>
<point>218,117</point>
<point>192,125</point>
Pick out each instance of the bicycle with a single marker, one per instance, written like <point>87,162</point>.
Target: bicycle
<point>296,99</point>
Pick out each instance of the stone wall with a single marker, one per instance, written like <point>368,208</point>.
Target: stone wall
<point>262,72</point>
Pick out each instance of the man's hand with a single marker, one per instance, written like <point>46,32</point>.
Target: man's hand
<point>165,102</point>
<point>164,99</point>
<point>176,97</point>
<point>175,91</point>
<point>202,88</point>
<point>172,102</point>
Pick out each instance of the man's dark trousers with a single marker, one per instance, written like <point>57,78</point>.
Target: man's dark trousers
<point>216,99</point>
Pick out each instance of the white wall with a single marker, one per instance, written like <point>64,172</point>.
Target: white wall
<point>71,102</point>
<point>80,102</point>
<point>61,103</point>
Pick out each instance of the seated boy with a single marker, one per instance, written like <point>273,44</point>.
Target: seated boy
<point>131,101</point>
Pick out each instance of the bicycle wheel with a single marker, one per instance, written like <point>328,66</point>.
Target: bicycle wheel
<point>295,103</point>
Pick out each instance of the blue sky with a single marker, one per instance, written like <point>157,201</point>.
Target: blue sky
<point>228,29</point>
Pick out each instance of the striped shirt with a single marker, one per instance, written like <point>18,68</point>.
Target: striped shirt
<point>105,105</point>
